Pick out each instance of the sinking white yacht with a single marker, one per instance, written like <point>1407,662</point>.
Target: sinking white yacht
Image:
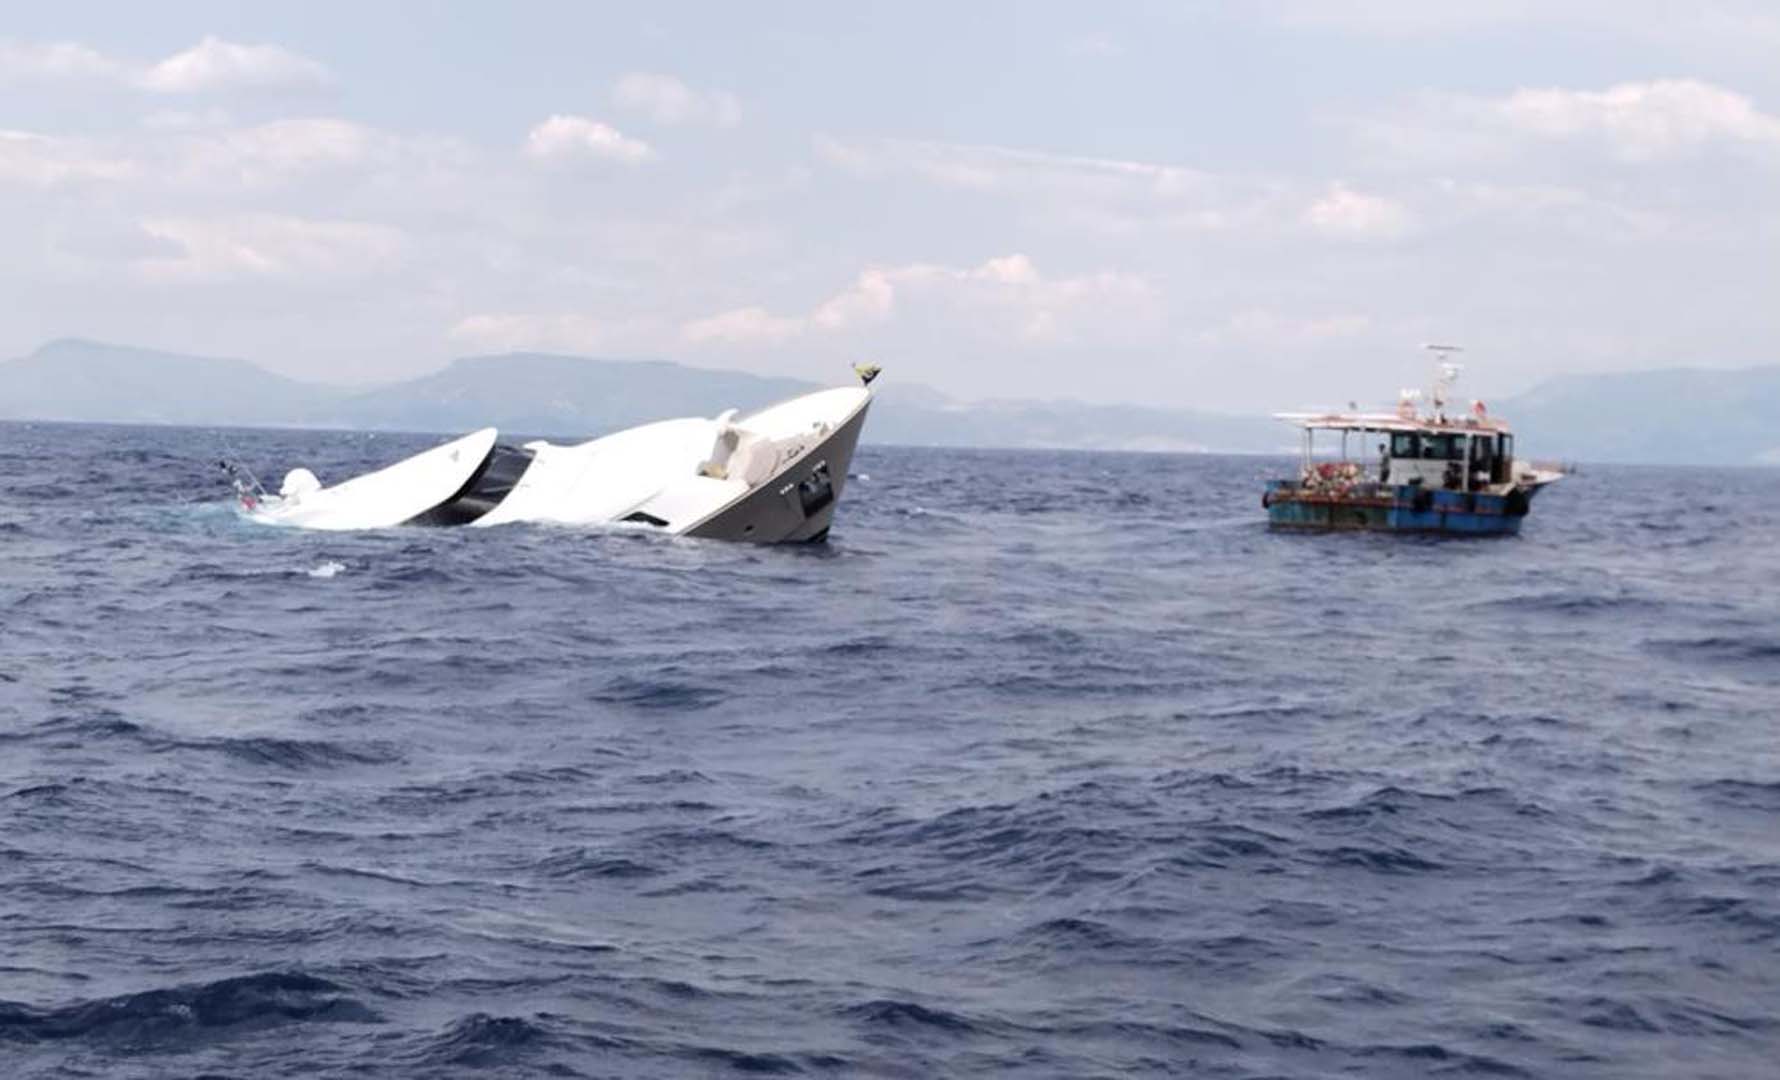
<point>769,477</point>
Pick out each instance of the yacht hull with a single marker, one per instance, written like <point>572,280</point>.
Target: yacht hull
<point>771,477</point>
<point>797,505</point>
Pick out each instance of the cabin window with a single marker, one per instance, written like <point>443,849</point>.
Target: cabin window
<point>1403,445</point>
<point>1443,448</point>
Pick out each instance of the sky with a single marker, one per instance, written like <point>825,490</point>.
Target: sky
<point>1234,206</point>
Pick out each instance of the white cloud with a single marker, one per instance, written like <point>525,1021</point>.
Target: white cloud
<point>1099,44</point>
<point>1634,122</point>
<point>1008,270</point>
<point>1005,298</point>
<point>1349,214</point>
<point>215,65</point>
<point>1415,18</point>
<point>871,298</point>
<point>667,100</point>
<point>1513,198</point>
<point>506,332</point>
<point>212,65</point>
<point>1266,328</point>
<point>305,165</point>
<point>744,326</point>
<point>270,153</point>
<point>267,245</point>
<point>1111,198</point>
<point>577,136</point>
<point>979,167</point>
<point>1550,210</point>
<point>42,161</point>
<point>1642,121</point>
<point>1716,24</point>
<point>187,119</point>
<point>22,60</point>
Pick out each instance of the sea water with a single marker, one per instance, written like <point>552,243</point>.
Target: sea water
<point>1048,764</point>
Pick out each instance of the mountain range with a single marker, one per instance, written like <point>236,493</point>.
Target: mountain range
<point>1678,416</point>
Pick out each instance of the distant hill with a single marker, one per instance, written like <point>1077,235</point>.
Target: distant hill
<point>908,416</point>
<point>1681,417</point>
<point>87,380</point>
<point>566,396</point>
<point>572,395</point>
<point>555,395</point>
<point>1684,416</point>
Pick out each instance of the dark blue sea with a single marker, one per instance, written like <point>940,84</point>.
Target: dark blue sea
<point>1048,764</point>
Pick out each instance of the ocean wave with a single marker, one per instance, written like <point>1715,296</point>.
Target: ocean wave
<point>1763,795</point>
<point>74,730</point>
<point>1387,800</point>
<point>175,1017</point>
<point>1219,846</point>
<point>1439,1060</point>
<point>741,1061</point>
<point>944,889</point>
<point>394,578</point>
<point>1720,648</point>
<point>1132,1032</point>
<point>1576,602</point>
<point>900,1014</point>
<point>659,694</point>
<point>580,863</point>
<point>482,1041</point>
<point>298,754</point>
<point>674,777</point>
<point>1381,860</point>
<point>257,750</point>
<point>1070,932</point>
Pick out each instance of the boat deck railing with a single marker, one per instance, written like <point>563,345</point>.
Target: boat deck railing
<point>1334,489</point>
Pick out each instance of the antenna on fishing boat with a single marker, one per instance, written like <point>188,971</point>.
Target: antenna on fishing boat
<point>1449,373</point>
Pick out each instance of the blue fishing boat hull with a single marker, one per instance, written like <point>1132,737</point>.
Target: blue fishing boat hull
<point>1401,508</point>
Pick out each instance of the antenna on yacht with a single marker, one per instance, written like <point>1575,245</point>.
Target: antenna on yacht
<point>247,486</point>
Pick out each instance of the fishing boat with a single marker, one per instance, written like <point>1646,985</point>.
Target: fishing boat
<point>771,476</point>
<point>1430,472</point>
